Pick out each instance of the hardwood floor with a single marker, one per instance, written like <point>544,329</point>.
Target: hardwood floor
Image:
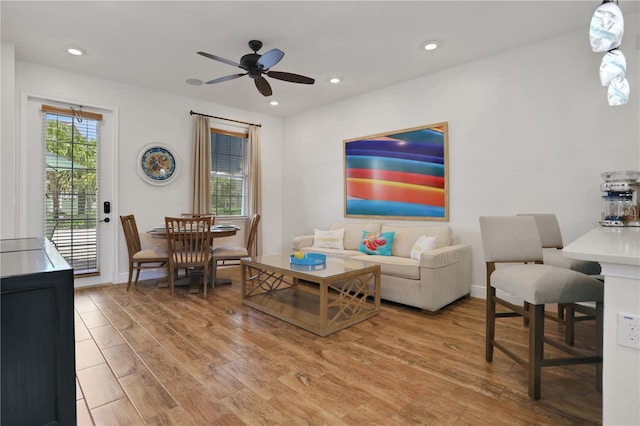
<point>144,357</point>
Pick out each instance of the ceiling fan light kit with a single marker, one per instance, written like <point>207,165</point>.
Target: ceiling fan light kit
<point>255,65</point>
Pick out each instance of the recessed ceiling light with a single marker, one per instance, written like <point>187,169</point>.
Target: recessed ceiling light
<point>430,45</point>
<point>75,51</point>
<point>274,103</point>
<point>334,80</point>
<point>194,81</point>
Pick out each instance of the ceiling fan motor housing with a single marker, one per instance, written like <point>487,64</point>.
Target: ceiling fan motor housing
<point>250,63</point>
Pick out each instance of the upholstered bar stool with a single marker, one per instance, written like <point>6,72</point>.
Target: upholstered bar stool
<point>552,244</point>
<point>551,238</point>
<point>515,241</point>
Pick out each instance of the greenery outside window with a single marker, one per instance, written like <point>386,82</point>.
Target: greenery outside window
<point>228,173</point>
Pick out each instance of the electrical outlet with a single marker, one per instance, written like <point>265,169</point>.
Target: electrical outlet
<point>629,330</point>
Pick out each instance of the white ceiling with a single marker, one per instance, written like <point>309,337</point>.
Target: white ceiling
<point>369,44</point>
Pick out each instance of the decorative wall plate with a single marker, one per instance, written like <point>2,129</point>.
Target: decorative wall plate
<point>157,165</point>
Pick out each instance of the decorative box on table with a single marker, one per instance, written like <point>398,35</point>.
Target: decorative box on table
<point>308,261</point>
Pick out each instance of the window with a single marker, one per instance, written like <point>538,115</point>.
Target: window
<point>228,173</point>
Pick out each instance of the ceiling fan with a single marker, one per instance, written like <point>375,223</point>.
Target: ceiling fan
<point>255,65</point>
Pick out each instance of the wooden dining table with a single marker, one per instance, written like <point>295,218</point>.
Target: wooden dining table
<point>217,231</point>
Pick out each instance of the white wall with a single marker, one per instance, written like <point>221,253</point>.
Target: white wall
<point>8,108</point>
<point>529,131</point>
<point>147,116</point>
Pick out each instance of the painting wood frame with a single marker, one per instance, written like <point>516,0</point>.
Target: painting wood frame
<point>403,174</point>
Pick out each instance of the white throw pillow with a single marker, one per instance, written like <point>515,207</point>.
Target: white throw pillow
<point>329,239</point>
<point>424,243</point>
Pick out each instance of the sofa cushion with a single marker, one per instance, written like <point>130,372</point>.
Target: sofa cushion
<point>424,243</point>
<point>376,243</point>
<point>402,267</point>
<point>353,232</point>
<point>332,239</point>
<point>406,236</point>
<point>332,252</point>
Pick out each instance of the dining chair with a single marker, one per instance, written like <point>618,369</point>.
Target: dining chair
<point>139,258</point>
<point>515,241</point>
<point>224,253</point>
<point>551,239</point>
<point>189,245</point>
<point>188,215</point>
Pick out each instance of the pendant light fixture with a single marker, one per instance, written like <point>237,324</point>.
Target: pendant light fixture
<point>605,35</point>
<point>613,66</point>
<point>618,92</point>
<point>607,27</point>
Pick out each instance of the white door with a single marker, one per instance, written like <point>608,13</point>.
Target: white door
<point>76,220</point>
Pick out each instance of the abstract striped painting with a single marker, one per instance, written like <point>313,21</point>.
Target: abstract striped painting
<point>402,174</point>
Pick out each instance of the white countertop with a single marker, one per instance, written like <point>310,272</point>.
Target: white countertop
<point>607,244</point>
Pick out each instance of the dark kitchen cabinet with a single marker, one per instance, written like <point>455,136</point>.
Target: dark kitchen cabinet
<point>37,335</point>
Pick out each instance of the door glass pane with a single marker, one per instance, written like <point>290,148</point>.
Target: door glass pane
<point>71,195</point>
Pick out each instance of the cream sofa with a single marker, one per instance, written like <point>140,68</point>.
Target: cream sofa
<point>441,276</point>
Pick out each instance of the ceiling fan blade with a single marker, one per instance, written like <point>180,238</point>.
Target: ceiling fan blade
<point>293,78</point>
<point>219,59</point>
<point>221,79</point>
<point>270,58</point>
<point>263,86</point>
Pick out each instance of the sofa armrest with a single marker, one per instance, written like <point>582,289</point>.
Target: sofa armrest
<point>444,256</point>
<point>301,241</point>
<point>445,276</point>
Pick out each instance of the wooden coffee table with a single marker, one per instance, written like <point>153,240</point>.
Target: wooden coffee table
<point>321,299</point>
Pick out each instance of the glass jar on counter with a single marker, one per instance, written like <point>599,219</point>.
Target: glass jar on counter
<point>618,206</point>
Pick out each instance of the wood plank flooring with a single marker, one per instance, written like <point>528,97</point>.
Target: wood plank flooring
<point>144,357</point>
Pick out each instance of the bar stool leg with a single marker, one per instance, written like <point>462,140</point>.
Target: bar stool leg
<point>536,349</point>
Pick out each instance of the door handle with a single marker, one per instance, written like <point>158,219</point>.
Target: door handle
<point>106,208</point>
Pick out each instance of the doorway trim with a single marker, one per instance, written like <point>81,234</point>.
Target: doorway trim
<point>111,143</point>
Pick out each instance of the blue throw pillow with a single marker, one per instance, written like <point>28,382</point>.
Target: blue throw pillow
<point>376,243</point>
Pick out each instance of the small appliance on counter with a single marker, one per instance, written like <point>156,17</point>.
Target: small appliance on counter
<point>621,199</point>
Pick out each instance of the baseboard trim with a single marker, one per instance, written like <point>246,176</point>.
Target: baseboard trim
<point>145,274</point>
